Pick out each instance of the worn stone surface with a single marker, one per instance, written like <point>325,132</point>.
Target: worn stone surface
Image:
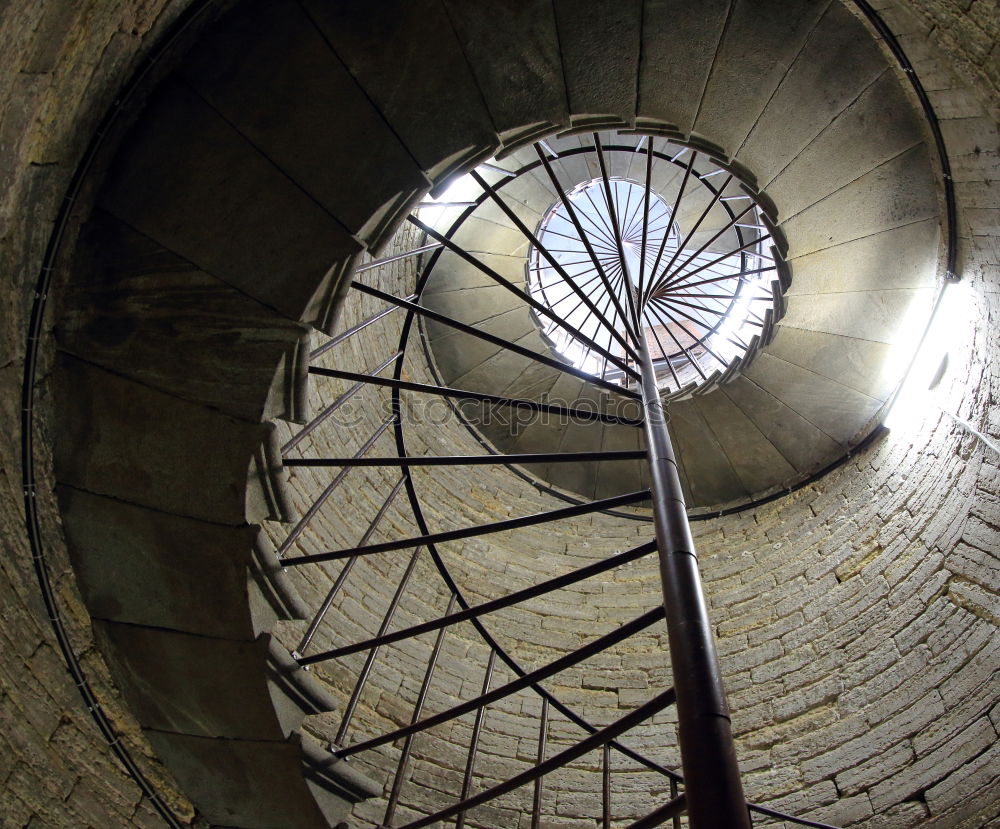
<point>854,616</point>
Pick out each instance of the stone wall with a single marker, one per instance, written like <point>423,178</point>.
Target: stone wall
<point>63,63</point>
<point>968,33</point>
<point>857,619</point>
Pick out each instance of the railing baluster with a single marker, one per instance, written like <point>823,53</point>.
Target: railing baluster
<point>367,266</point>
<point>359,686</point>
<point>418,708</point>
<point>543,738</point>
<point>473,532</point>
<point>465,394</point>
<point>606,786</point>
<point>568,755</point>
<point>310,427</point>
<point>476,460</point>
<point>350,332</point>
<point>673,217</point>
<point>470,763</point>
<point>584,238</point>
<point>553,263</point>
<point>574,576</point>
<point>673,796</point>
<point>345,572</point>
<point>328,491</point>
<point>640,623</point>
<point>503,283</point>
<point>472,331</point>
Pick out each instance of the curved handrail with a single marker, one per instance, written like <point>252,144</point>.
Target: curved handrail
<point>185,21</point>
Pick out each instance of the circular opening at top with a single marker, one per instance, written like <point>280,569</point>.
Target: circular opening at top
<point>690,260</point>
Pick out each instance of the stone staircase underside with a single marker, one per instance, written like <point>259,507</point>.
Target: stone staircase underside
<point>289,142</point>
<point>817,386</point>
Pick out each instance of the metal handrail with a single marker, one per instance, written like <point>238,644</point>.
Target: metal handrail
<point>735,808</point>
<point>35,335</point>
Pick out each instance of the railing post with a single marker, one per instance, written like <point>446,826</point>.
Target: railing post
<point>711,776</point>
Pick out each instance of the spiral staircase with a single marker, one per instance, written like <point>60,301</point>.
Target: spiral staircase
<point>212,346</point>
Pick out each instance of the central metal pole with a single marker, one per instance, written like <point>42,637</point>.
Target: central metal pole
<point>712,784</point>
<point>711,776</point>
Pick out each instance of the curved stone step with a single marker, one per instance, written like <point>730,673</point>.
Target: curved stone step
<point>708,471</point>
<point>617,477</point>
<point>758,464</point>
<point>801,442</point>
<point>837,64</point>
<point>530,213</point>
<point>147,567</point>
<point>857,363</point>
<point>274,52</point>
<point>144,312</point>
<point>478,235</point>
<point>533,190</point>
<point>208,687</point>
<point>334,783</point>
<point>760,41</point>
<point>224,777</point>
<point>203,202</point>
<point>600,82</point>
<point>873,288</point>
<point>521,78</point>
<point>109,448</point>
<point>877,127</point>
<point>679,42</point>
<point>838,410</point>
<point>896,193</point>
<point>379,43</point>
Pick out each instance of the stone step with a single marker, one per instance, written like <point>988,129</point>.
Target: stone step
<point>305,788</point>
<point>197,462</point>
<point>760,41</point>
<point>203,202</point>
<point>805,445</point>
<point>274,52</point>
<point>708,471</point>
<point>758,464</point>
<point>618,477</point>
<point>600,81</point>
<point>679,41</point>
<point>208,687</point>
<point>144,312</point>
<point>877,126</point>
<point>142,566</point>
<point>894,194</point>
<point>818,95</point>
<point>517,65</point>
<point>380,43</point>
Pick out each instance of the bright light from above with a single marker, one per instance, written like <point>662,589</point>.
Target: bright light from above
<point>455,198</point>
<point>918,395</point>
<point>684,260</point>
<point>697,289</point>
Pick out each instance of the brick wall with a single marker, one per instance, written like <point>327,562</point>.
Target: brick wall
<point>857,619</point>
<point>62,64</point>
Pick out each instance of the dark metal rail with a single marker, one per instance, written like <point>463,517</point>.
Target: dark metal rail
<point>714,795</point>
<point>603,738</point>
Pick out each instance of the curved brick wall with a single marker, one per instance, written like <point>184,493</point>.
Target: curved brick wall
<point>63,63</point>
<point>857,619</point>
